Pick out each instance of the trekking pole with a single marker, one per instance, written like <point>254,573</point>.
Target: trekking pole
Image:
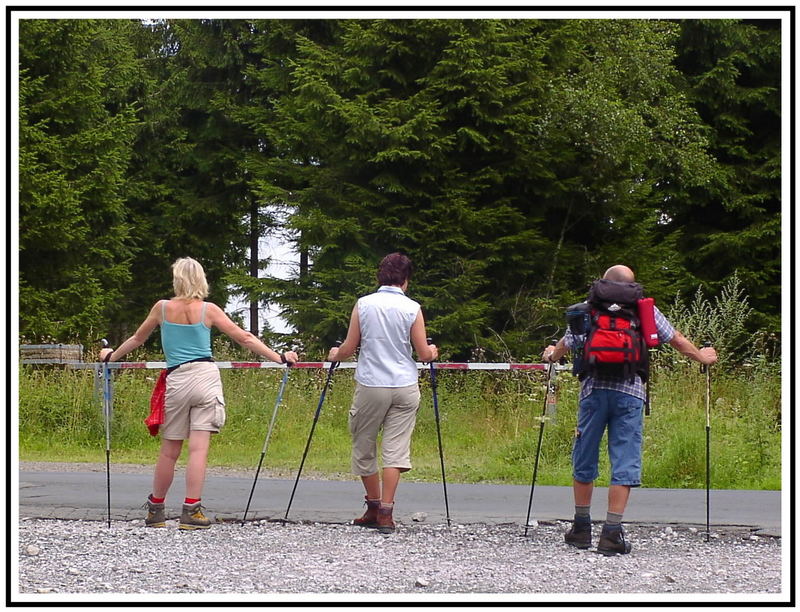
<point>266,439</point>
<point>333,366</point>
<point>707,370</point>
<point>549,400</point>
<point>439,436</point>
<point>107,417</point>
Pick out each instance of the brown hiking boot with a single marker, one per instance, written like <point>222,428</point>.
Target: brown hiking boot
<point>370,517</point>
<point>192,517</point>
<point>155,514</point>
<point>612,541</point>
<point>385,522</point>
<point>579,535</point>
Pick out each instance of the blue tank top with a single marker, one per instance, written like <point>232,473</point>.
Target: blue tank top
<point>184,342</point>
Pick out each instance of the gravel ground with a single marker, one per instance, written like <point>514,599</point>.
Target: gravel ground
<point>314,558</point>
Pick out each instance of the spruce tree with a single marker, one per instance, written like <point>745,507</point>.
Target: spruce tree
<point>76,126</point>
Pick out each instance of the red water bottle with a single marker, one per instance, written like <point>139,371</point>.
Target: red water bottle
<point>647,320</point>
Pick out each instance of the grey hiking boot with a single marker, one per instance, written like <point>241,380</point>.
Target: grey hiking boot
<point>155,514</point>
<point>192,517</point>
<point>579,535</point>
<point>612,541</point>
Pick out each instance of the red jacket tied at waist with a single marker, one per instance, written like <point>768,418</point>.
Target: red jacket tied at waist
<point>156,416</point>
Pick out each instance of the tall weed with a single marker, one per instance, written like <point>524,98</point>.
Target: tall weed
<point>489,422</point>
<point>721,322</point>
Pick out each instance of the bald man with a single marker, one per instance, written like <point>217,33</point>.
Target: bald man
<point>616,404</point>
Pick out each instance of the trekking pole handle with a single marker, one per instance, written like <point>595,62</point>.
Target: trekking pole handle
<point>433,378</point>
<point>551,369</point>
<point>335,364</point>
<point>104,344</point>
<point>554,342</point>
<point>704,367</point>
<point>429,341</point>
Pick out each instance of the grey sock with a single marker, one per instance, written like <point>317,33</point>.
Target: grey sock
<point>613,519</point>
<point>582,513</point>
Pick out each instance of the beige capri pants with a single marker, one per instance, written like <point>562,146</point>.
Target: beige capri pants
<point>193,401</point>
<point>393,409</point>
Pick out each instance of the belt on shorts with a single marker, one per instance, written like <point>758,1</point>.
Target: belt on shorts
<point>169,370</point>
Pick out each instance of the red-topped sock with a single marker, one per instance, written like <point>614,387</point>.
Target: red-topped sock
<point>157,500</point>
<point>191,500</point>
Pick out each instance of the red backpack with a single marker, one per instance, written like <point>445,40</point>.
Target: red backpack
<point>614,344</point>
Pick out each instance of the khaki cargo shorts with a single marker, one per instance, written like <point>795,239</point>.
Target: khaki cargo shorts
<point>392,409</point>
<point>193,401</point>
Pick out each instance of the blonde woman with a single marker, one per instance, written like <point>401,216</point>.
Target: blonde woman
<point>194,404</point>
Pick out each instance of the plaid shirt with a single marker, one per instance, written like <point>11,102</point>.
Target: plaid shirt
<point>635,387</point>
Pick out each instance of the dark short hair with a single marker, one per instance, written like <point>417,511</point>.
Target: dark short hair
<point>394,269</point>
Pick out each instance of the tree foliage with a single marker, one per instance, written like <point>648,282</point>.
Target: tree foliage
<point>192,194</point>
<point>76,130</point>
<point>733,223</point>
<point>496,153</point>
<point>514,160</point>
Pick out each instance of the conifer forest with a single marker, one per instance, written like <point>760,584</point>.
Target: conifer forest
<point>514,161</point>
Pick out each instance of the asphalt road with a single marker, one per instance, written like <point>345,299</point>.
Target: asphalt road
<point>83,495</point>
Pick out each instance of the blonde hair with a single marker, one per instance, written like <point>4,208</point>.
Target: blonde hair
<point>189,279</point>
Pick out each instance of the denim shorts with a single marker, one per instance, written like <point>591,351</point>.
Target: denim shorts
<point>622,414</point>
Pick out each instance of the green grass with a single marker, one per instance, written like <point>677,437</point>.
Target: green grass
<point>489,425</point>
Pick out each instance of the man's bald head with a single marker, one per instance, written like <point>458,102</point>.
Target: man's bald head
<point>619,274</point>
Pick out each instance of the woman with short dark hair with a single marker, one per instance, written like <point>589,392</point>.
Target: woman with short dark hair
<point>386,324</point>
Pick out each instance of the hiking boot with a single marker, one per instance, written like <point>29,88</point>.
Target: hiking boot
<point>612,541</point>
<point>385,522</point>
<point>579,535</point>
<point>192,517</point>
<point>156,516</point>
<point>370,517</point>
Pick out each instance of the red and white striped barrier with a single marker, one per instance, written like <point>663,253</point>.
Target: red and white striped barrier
<point>310,365</point>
